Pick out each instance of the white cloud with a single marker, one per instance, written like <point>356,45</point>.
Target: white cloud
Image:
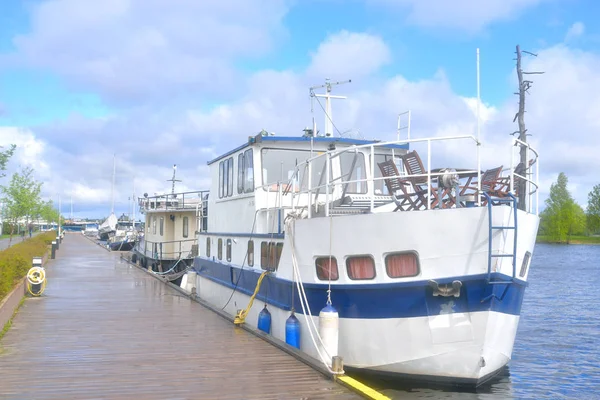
<point>349,54</point>
<point>465,15</point>
<point>576,30</point>
<point>136,49</point>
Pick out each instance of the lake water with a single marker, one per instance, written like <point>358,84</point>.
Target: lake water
<point>557,349</point>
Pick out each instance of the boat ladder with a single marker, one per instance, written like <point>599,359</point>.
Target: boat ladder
<point>512,201</point>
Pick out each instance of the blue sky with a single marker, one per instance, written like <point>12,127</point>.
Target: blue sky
<point>161,82</point>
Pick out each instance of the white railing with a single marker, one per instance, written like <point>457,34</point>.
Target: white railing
<point>370,181</point>
<point>530,178</point>
<point>308,196</point>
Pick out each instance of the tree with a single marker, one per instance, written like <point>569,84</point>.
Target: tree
<point>21,198</point>
<point>593,210</point>
<point>48,213</point>
<point>4,157</point>
<point>563,217</point>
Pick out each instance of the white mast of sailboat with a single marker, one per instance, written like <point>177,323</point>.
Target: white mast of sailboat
<point>112,188</point>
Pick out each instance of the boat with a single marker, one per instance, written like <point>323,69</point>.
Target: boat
<point>392,265</point>
<point>124,241</point>
<point>169,243</point>
<point>107,228</point>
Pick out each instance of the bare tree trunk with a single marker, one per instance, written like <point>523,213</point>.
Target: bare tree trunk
<point>521,184</point>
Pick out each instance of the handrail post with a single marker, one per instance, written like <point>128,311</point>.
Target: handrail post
<point>429,174</point>
<point>327,169</point>
<point>371,181</point>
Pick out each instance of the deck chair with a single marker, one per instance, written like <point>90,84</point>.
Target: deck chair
<point>414,166</point>
<point>491,183</point>
<point>398,188</point>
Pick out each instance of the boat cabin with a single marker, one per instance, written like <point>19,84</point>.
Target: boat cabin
<point>272,175</point>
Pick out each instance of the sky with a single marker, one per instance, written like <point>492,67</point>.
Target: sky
<point>162,82</point>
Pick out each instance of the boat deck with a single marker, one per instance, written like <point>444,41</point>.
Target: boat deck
<point>105,329</point>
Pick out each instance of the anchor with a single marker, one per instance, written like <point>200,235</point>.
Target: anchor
<point>446,290</point>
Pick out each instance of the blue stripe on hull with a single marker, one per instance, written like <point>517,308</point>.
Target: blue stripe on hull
<point>382,300</point>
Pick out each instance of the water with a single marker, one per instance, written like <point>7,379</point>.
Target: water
<point>557,349</point>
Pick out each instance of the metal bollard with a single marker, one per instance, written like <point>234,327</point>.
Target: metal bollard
<point>337,364</point>
<point>53,251</point>
<point>57,242</point>
<point>36,262</point>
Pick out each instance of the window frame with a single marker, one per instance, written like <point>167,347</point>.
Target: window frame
<point>395,253</point>
<point>250,253</point>
<point>207,247</point>
<point>248,171</point>
<point>348,258</point>
<point>185,227</point>
<point>228,246</point>
<point>318,268</point>
<point>220,249</point>
<point>161,226</point>
<point>241,171</point>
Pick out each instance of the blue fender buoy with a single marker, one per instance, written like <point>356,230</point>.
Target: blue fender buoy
<point>264,320</point>
<point>292,331</point>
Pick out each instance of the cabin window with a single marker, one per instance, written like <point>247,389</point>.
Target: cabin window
<point>250,254</point>
<point>379,185</point>
<point>161,226</point>
<point>525,264</point>
<point>279,165</point>
<point>327,268</point>
<point>402,265</point>
<point>248,171</point>
<point>225,177</point>
<point>154,225</point>
<point>221,178</point>
<point>220,249</point>
<point>228,250</point>
<point>353,169</point>
<point>207,247</point>
<point>230,176</point>
<point>270,253</point>
<point>185,227</point>
<point>240,178</point>
<point>360,267</point>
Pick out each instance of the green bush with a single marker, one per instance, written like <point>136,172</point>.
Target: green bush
<point>16,260</point>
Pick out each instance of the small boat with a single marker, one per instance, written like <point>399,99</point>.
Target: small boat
<point>122,243</point>
<point>399,268</point>
<point>169,243</point>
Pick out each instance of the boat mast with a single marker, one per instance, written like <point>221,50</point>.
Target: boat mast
<point>112,188</point>
<point>173,180</point>
<point>327,96</point>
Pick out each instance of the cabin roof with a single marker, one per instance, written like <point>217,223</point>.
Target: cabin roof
<point>304,139</point>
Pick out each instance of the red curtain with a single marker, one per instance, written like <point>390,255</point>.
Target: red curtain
<point>361,267</point>
<point>401,265</point>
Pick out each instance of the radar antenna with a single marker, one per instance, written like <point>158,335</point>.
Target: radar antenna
<point>173,180</point>
<point>327,109</point>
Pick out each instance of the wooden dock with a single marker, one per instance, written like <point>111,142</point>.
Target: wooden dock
<point>106,330</point>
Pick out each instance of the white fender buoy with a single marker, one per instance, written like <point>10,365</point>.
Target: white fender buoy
<point>329,331</point>
<point>190,281</point>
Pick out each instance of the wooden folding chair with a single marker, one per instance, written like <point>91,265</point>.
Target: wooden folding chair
<point>397,187</point>
<point>414,166</point>
<point>491,183</point>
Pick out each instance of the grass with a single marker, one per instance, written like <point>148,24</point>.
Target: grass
<point>8,323</point>
<point>16,260</point>
<point>580,239</point>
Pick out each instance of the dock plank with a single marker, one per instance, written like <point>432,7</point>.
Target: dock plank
<point>105,330</point>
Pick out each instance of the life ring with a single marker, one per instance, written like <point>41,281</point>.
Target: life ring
<point>36,275</point>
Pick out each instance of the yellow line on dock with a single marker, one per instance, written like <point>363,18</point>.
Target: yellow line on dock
<point>362,388</point>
